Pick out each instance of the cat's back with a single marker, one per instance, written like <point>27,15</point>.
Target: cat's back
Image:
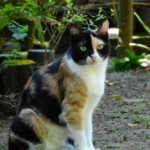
<point>42,86</point>
<point>42,78</point>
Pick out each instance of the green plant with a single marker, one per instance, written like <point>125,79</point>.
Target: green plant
<point>146,28</point>
<point>147,98</point>
<point>136,119</point>
<point>115,114</point>
<point>3,146</point>
<point>130,62</point>
<point>147,125</point>
<point>109,145</point>
<point>14,54</point>
<point>139,109</point>
<point>47,13</point>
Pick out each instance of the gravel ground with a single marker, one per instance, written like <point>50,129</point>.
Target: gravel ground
<point>120,122</point>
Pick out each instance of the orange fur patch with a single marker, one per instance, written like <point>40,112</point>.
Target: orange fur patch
<point>96,42</point>
<point>55,87</point>
<point>39,127</point>
<point>75,99</point>
<point>50,83</point>
<point>30,118</point>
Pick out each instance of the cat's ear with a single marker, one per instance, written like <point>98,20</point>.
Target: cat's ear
<point>103,29</point>
<point>74,30</point>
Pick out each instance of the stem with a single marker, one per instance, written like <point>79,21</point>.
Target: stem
<point>140,45</point>
<point>143,24</point>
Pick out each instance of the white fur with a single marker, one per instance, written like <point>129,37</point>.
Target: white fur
<point>93,74</point>
<point>56,136</point>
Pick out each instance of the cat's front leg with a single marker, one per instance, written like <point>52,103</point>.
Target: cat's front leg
<point>74,119</point>
<point>88,129</point>
<point>79,138</point>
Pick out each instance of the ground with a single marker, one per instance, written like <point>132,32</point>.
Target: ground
<point>122,119</point>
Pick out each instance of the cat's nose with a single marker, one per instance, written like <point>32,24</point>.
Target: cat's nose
<point>93,58</point>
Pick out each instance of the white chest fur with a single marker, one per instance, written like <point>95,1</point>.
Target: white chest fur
<point>93,76</point>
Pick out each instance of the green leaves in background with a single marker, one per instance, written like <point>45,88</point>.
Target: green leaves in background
<point>14,54</point>
<point>40,33</point>
<point>19,31</point>
<point>130,62</point>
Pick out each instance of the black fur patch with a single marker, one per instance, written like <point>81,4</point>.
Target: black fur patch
<point>17,145</point>
<point>70,141</point>
<point>48,105</point>
<point>24,131</point>
<point>54,67</point>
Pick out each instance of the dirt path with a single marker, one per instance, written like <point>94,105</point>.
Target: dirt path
<point>123,125</point>
<point>119,124</point>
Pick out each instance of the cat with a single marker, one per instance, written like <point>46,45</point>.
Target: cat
<point>58,100</point>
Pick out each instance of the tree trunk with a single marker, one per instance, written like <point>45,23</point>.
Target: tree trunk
<point>125,26</point>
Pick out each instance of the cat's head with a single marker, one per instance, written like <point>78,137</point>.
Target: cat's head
<point>89,47</point>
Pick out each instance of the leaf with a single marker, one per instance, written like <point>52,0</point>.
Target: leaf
<point>128,66</point>
<point>24,29</point>
<point>132,125</point>
<point>115,82</point>
<point>5,55</point>
<point>14,29</point>
<point>112,10</point>
<point>117,97</point>
<point>19,36</point>
<point>91,22</point>
<point>39,29</point>
<point>109,83</point>
<point>4,21</point>
<point>18,62</point>
<point>133,100</point>
<point>118,46</point>
<point>26,61</point>
<point>115,60</point>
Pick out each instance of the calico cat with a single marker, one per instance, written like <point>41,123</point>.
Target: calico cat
<point>58,100</point>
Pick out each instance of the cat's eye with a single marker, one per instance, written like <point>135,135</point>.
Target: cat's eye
<point>82,48</point>
<point>99,47</point>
